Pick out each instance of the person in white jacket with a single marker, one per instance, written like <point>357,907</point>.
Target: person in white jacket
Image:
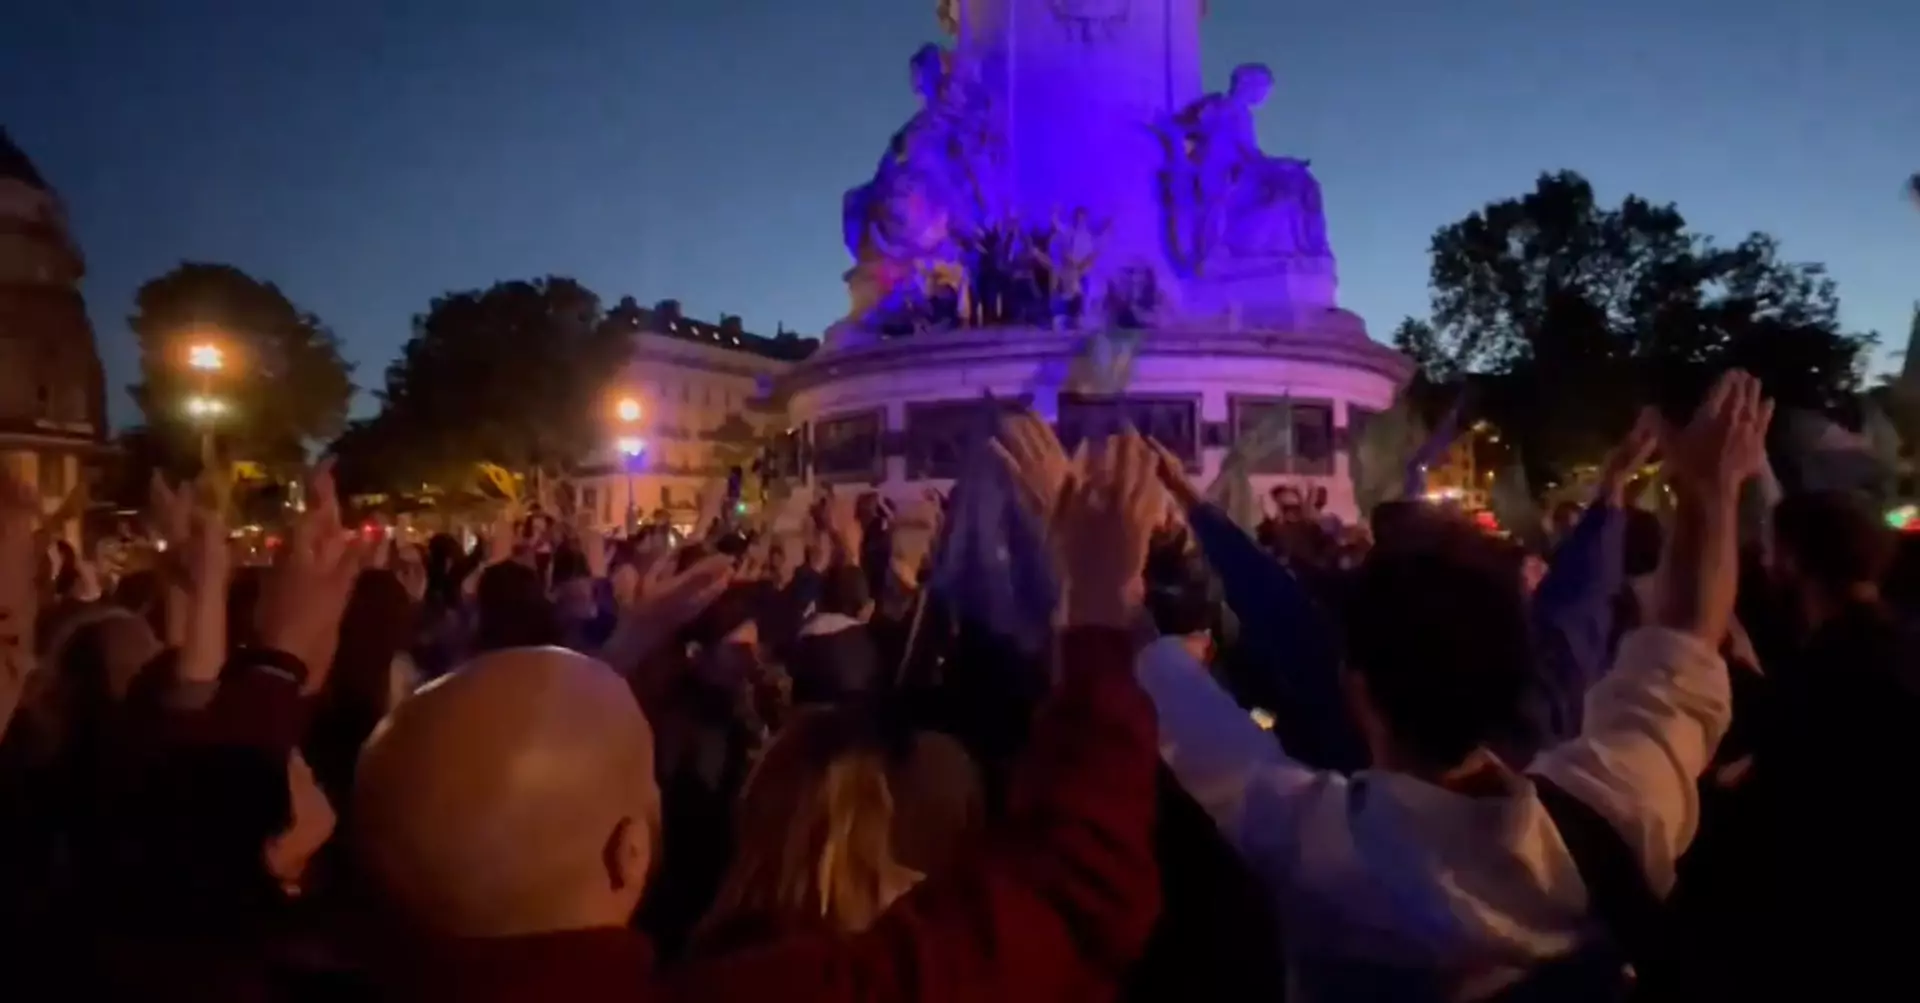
<point>1439,873</point>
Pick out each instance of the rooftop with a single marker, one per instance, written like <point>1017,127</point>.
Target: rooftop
<point>15,165</point>
<point>664,318</point>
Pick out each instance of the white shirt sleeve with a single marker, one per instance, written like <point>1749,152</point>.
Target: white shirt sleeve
<point>1651,727</point>
<point>1226,762</point>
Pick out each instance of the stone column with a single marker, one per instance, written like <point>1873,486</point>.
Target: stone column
<point>1080,86</point>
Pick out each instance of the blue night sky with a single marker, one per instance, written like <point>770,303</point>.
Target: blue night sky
<point>367,155</point>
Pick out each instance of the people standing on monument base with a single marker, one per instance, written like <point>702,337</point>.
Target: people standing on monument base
<point>1083,753</point>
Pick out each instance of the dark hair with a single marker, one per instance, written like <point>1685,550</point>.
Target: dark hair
<point>377,625</point>
<point>192,855</point>
<point>1834,538</point>
<point>1439,633</point>
<point>569,563</point>
<point>513,608</point>
<point>843,590</point>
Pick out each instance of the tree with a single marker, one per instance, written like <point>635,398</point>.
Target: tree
<point>516,375</point>
<point>1572,314</point>
<point>283,381</point>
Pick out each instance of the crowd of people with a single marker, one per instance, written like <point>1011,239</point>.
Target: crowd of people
<point>1071,734</point>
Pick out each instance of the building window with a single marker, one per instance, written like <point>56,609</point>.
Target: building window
<point>1313,438</point>
<point>1174,422</point>
<point>1257,416</point>
<point>590,499</point>
<point>943,436</point>
<point>847,448</point>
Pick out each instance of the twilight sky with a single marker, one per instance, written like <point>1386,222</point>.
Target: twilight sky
<point>371,156</point>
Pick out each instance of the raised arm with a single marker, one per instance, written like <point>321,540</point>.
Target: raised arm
<point>1280,628</point>
<point>1573,609</point>
<point>1653,722</point>
<point>1060,901</point>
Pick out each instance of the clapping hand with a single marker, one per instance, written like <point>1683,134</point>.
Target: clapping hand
<point>1628,457</point>
<point>1106,521</point>
<point>1706,462</point>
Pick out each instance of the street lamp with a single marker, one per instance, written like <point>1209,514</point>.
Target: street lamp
<point>631,446</point>
<point>206,358</point>
<point>204,408</point>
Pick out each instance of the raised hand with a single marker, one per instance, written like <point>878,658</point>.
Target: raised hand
<point>593,546</point>
<point>1628,456</point>
<point>663,602</point>
<point>199,569</point>
<point>1725,442</point>
<point>838,518</point>
<point>1035,459</point>
<point>1106,522</point>
<point>304,595</point>
<point>1173,476</point>
<point>1706,462</point>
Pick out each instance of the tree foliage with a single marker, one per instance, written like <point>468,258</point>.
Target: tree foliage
<point>515,375</point>
<point>284,381</point>
<point>1571,314</point>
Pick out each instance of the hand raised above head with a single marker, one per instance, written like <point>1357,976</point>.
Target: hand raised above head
<point>304,594</point>
<point>1627,456</point>
<point>1034,458</point>
<point>1106,521</point>
<point>1724,443</point>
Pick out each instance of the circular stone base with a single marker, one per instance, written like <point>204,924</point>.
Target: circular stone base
<point>902,394</point>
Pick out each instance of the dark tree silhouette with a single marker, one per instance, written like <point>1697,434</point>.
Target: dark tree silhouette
<point>1570,314</point>
<point>284,381</point>
<point>516,375</point>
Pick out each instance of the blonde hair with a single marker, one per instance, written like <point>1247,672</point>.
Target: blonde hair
<point>813,830</point>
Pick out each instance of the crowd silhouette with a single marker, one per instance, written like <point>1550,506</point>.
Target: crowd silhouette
<point>1069,734</point>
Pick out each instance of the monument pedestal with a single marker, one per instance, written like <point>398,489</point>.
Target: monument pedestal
<point>903,414</point>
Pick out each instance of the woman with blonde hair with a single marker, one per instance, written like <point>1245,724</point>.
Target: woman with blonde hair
<point>814,846</point>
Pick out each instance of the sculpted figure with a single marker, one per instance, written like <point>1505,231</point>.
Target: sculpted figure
<point>1229,199</point>
<point>928,191</point>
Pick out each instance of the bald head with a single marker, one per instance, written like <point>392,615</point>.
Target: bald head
<point>515,795</point>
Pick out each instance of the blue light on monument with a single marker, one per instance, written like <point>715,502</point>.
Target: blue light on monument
<point>1066,169</point>
<point>1072,222</point>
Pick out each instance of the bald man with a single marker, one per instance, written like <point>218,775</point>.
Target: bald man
<point>512,797</point>
<point>509,810</point>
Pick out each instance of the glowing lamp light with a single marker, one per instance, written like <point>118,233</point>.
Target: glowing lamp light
<point>206,358</point>
<point>628,409</point>
<point>206,407</point>
<point>1904,517</point>
<point>740,508</point>
<point>631,445</point>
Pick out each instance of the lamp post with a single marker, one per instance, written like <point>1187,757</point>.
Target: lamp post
<point>631,447</point>
<point>207,360</point>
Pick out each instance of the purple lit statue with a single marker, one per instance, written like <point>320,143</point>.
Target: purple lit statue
<point>928,190</point>
<point>1229,200</point>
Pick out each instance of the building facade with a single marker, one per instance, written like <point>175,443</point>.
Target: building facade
<point>52,386</point>
<point>705,405</point>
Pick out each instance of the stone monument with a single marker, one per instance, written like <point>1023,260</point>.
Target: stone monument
<point>1069,175</point>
